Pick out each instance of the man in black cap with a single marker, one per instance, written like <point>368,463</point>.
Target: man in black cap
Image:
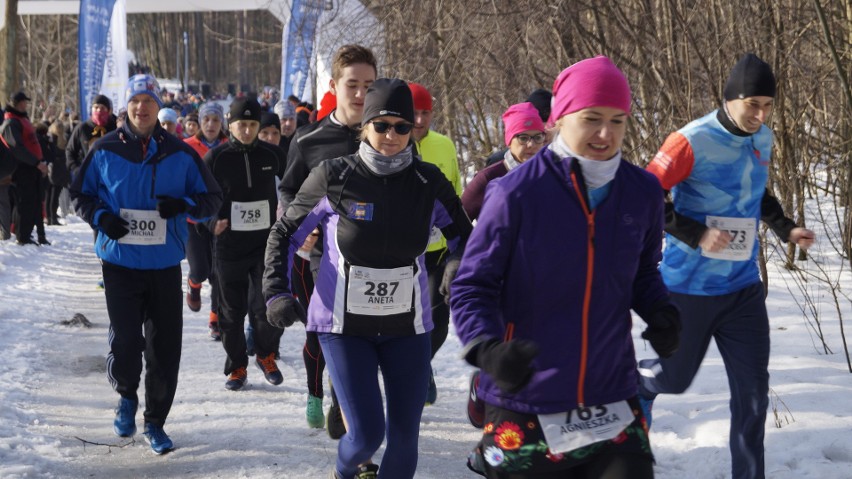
<point>101,121</point>
<point>716,168</point>
<point>246,169</point>
<point>20,137</point>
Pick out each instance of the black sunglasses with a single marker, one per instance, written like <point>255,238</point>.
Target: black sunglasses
<point>381,127</point>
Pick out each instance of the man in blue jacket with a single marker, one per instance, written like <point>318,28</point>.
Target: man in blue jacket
<point>136,187</point>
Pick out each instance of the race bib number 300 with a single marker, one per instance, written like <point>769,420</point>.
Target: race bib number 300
<point>567,431</point>
<point>146,227</point>
<point>379,292</point>
<point>742,231</point>
<point>250,215</point>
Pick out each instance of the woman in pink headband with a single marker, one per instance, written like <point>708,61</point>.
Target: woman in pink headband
<point>524,135</point>
<point>565,246</point>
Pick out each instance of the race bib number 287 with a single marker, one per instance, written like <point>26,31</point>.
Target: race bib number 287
<point>379,292</point>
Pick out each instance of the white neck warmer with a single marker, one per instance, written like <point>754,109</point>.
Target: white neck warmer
<point>596,173</point>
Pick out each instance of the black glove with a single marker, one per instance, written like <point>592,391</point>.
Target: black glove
<point>450,271</point>
<point>283,310</point>
<point>113,226</point>
<point>508,363</point>
<point>170,207</point>
<point>663,330</point>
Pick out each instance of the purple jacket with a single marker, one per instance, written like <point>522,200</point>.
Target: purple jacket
<point>531,270</point>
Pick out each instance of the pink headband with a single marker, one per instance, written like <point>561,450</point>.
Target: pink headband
<point>520,118</point>
<point>589,83</point>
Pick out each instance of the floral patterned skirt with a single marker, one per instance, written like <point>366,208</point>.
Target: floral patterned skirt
<point>514,442</point>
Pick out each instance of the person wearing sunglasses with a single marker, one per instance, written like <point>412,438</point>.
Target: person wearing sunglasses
<point>370,306</point>
<point>566,245</point>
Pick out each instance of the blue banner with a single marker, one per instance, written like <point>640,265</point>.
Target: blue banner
<point>297,48</point>
<point>92,49</point>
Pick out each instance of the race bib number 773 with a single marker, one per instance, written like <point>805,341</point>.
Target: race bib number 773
<point>743,232</point>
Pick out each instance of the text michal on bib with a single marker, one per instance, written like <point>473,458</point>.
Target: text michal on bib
<point>146,227</point>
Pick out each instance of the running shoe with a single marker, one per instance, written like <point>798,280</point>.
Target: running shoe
<point>367,471</point>
<point>193,295</point>
<point>269,368</point>
<point>313,412</point>
<point>125,417</point>
<point>158,439</point>
<point>475,406</point>
<point>236,380</point>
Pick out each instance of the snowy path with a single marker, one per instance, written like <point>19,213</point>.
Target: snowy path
<point>54,390</point>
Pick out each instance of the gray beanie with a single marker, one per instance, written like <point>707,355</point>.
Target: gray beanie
<point>285,109</point>
<point>211,108</point>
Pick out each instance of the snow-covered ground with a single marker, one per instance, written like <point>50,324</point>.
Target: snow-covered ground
<point>56,406</point>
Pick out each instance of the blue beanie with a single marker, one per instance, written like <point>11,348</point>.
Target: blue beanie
<point>143,84</point>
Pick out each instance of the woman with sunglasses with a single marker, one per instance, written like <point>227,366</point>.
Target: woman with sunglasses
<point>370,305</point>
<point>565,246</point>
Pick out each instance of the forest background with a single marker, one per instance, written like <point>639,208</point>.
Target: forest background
<point>479,56</point>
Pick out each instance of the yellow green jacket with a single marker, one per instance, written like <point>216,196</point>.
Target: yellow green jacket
<point>439,150</point>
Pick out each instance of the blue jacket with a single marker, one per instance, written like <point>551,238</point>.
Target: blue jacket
<point>120,172</point>
<point>713,172</point>
<point>540,266</point>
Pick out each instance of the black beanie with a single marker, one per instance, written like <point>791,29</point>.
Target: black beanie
<point>270,119</point>
<point>244,109</point>
<point>388,97</point>
<point>751,76</point>
<point>102,100</point>
<point>541,101</point>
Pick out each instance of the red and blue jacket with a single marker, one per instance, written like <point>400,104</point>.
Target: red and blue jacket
<point>124,171</point>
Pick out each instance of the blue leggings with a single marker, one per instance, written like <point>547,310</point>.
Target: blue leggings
<point>354,362</point>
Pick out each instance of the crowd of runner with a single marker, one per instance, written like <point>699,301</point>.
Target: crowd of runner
<point>354,220</point>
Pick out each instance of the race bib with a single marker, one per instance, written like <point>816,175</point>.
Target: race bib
<point>250,215</point>
<point>742,231</point>
<point>567,431</point>
<point>435,235</point>
<point>146,227</point>
<point>379,292</point>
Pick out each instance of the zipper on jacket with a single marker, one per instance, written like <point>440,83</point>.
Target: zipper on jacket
<point>154,181</point>
<point>587,295</point>
<point>248,169</point>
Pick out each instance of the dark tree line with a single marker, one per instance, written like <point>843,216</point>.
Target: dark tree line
<point>480,56</point>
